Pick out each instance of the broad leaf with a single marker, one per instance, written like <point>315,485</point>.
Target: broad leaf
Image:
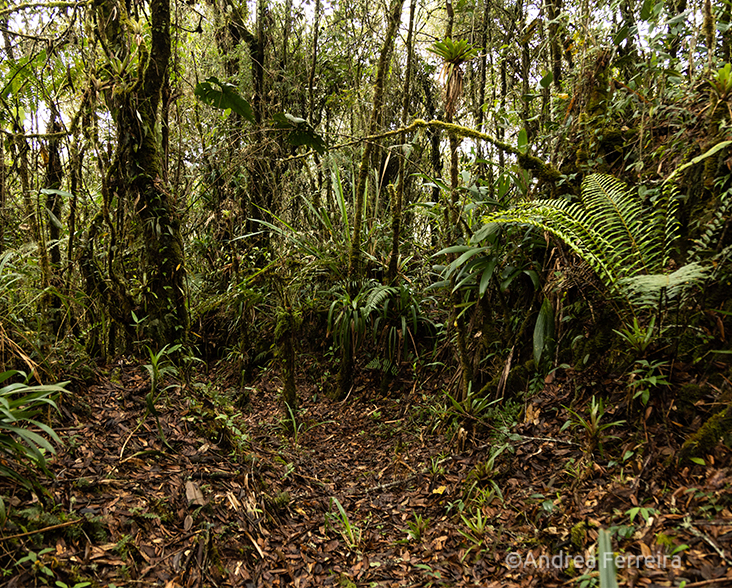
<point>224,96</point>
<point>300,131</point>
<point>543,330</point>
<point>606,561</point>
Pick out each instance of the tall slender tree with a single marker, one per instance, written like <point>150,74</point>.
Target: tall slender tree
<point>345,373</point>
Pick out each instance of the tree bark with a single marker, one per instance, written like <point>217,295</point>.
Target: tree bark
<point>54,206</point>
<point>354,258</point>
<point>3,196</point>
<point>398,194</point>
<point>137,170</point>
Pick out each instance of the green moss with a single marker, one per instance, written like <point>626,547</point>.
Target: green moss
<point>516,383</point>
<point>345,582</point>
<point>687,396</point>
<point>578,534</point>
<point>286,333</point>
<point>707,437</point>
<point>665,541</point>
<point>599,343</point>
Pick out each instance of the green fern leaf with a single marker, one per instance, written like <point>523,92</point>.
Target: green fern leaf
<point>610,229</point>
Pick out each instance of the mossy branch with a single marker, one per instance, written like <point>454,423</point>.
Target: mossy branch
<point>541,169</point>
<point>36,5</point>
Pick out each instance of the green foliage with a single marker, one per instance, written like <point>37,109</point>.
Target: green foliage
<point>722,81</point>
<point>592,424</point>
<point>20,443</point>
<point>322,238</point>
<point>657,290</point>
<point>475,529</point>
<point>160,366</point>
<point>645,513</point>
<point>645,377</point>
<point>339,521</point>
<point>606,560</point>
<point>454,52</point>
<point>636,337</point>
<point>418,527</point>
<point>300,132</point>
<point>398,321</point>
<point>223,96</point>
<point>292,425</point>
<point>474,405</point>
<point>236,438</point>
<point>480,487</point>
<point>543,330</point>
<point>613,232</point>
<point>348,318</point>
<point>39,564</point>
<point>453,55</point>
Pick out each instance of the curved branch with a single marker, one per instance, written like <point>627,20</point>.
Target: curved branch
<point>541,169</point>
<point>30,5</point>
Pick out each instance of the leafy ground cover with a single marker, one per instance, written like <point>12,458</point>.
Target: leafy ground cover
<point>405,490</point>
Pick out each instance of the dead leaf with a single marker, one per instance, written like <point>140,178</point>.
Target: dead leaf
<point>194,494</point>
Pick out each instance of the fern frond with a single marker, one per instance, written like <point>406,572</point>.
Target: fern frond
<point>645,291</point>
<point>610,230</point>
<point>568,223</point>
<point>619,217</point>
<point>377,296</point>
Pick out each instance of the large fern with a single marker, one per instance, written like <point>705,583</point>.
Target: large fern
<point>610,229</point>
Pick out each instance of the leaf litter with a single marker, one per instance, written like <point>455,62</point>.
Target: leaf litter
<point>372,491</point>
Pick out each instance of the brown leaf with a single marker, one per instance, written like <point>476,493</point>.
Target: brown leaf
<point>194,496</point>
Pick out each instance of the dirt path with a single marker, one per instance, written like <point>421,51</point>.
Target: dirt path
<point>368,493</point>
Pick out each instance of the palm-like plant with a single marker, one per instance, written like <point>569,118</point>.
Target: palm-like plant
<point>453,54</point>
<point>399,318</point>
<point>24,439</point>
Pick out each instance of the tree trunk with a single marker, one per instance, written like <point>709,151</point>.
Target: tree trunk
<point>54,205</point>
<point>286,333</point>
<point>354,258</point>
<point>452,231</point>
<point>3,196</point>
<point>553,10</point>
<point>398,194</point>
<point>345,374</point>
<point>136,174</point>
<point>313,65</point>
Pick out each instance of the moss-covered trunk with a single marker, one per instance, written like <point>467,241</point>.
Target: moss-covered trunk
<point>54,206</point>
<point>354,258</point>
<point>136,174</point>
<point>286,333</point>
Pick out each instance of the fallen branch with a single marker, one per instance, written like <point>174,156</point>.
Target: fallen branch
<point>51,528</point>
<point>704,537</point>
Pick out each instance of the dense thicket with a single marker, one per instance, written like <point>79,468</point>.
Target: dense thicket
<point>490,188</point>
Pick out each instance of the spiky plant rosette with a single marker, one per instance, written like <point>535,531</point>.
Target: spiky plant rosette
<point>453,55</point>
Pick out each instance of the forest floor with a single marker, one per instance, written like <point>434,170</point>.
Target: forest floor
<point>371,491</point>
